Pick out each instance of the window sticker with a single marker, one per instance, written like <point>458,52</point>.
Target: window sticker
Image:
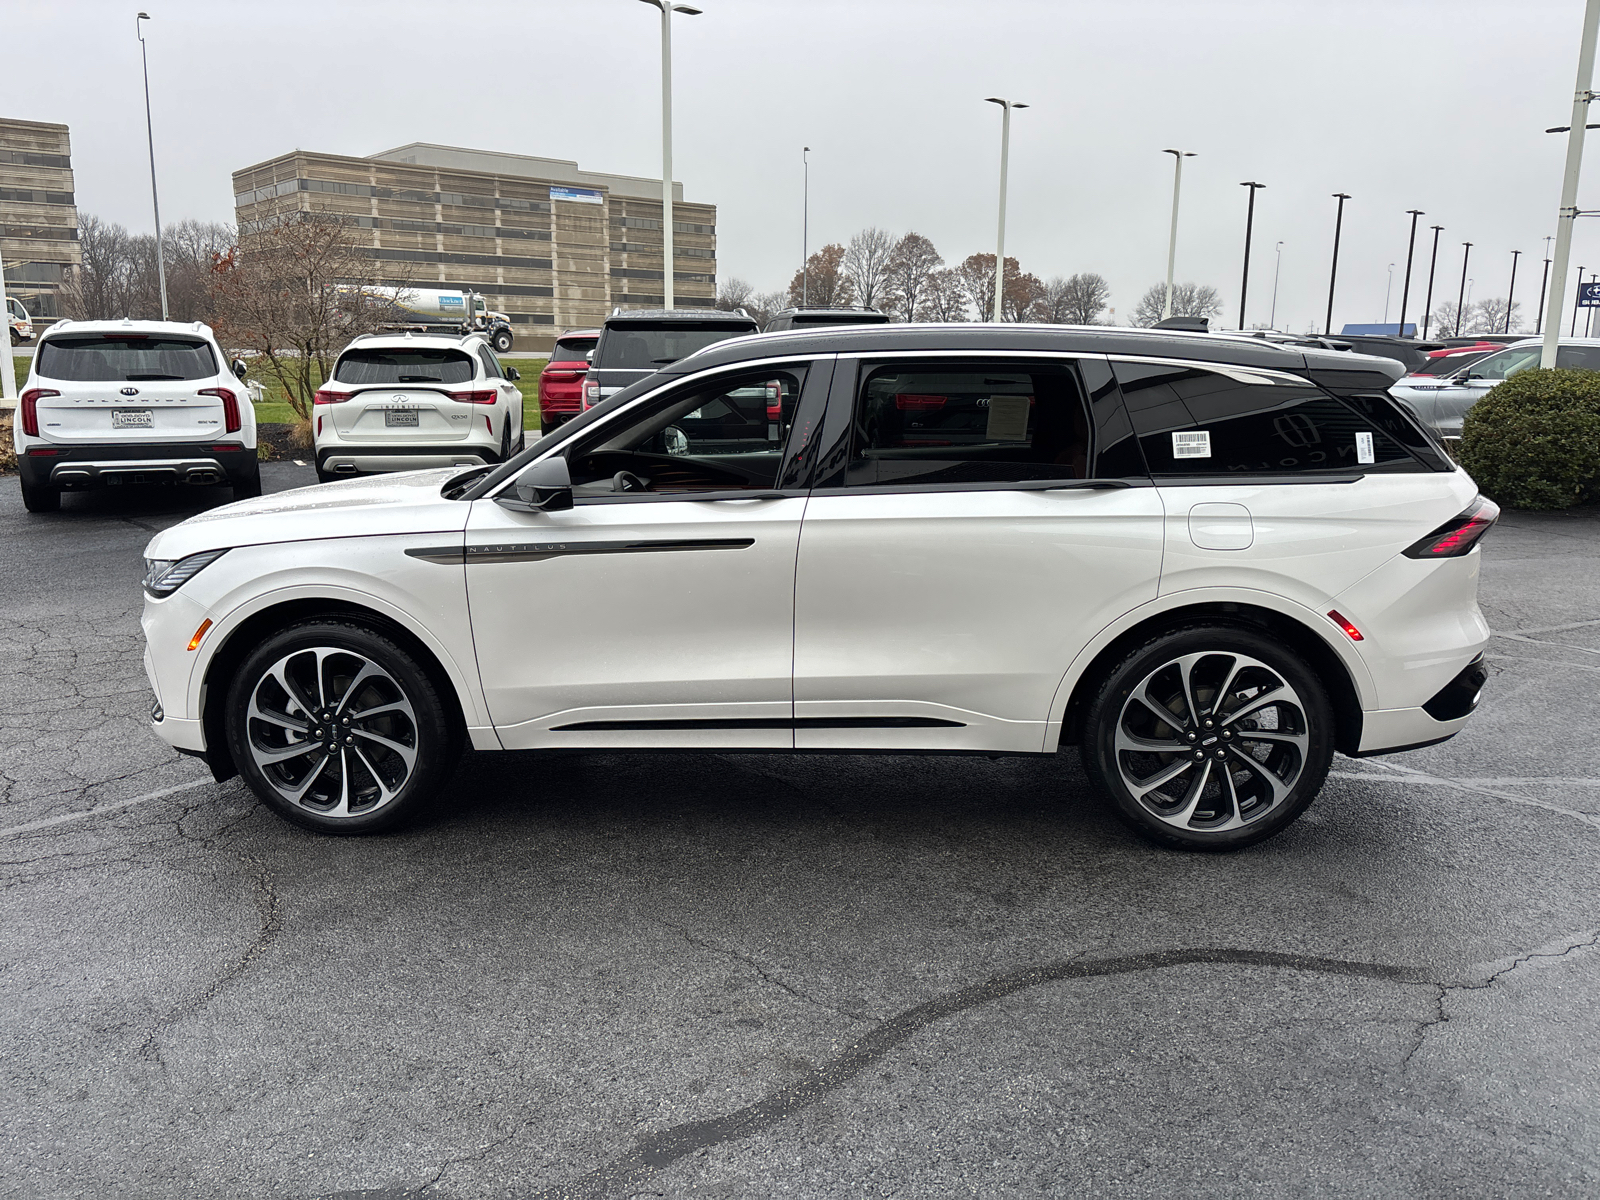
<point>1194,444</point>
<point>1008,419</point>
<point>1364,452</point>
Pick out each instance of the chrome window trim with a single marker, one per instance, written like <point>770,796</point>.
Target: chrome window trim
<point>1064,355</point>
<point>675,381</point>
<point>1240,374</point>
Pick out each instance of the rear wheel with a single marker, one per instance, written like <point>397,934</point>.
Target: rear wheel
<point>339,729</point>
<point>505,441</point>
<point>40,498</point>
<point>250,486</point>
<point>1209,737</point>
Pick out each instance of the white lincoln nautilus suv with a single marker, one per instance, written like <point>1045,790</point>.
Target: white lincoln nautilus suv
<point>1206,561</point>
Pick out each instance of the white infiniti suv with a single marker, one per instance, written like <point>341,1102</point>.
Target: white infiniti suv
<point>113,402</point>
<point>397,402</point>
<point>1206,561</point>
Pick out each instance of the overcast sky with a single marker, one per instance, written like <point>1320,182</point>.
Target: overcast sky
<point>1431,104</point>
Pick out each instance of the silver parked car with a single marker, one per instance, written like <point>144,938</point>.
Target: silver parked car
<point>1442,403</point>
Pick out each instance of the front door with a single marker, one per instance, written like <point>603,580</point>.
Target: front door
<point>659,609</point>
<point>962,554</point>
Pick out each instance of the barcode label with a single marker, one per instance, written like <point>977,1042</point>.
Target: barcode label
<point>1364,452</point>
<point>1191,445</point>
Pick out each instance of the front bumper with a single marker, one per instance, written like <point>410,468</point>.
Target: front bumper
<point>93,465</point>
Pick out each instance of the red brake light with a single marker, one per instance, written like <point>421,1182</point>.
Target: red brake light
<point>910,402</point>
<point>30,409</point>
<point>323,397</point>
<point>1459,534</point>
<point>1350,630</point>
<point>230,407</point>
<point>483,397</point>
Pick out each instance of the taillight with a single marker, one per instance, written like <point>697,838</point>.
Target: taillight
<point>230,407</point>
<point>487,397</point>
<point>1459,534</point>
<point>30,409</point>
<point>910,402</point>
<point>591,394</point>
<point>330,397</point>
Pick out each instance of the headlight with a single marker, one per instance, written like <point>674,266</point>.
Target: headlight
<point>163,576</point>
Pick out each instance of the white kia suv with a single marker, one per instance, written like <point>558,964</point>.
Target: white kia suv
<point>116,402</point>
<point>1207,562</point>
<point>397,402</point>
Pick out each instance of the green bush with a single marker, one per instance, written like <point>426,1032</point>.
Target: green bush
<point>1534,441</point>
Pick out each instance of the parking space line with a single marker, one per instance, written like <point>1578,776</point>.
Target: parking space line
<point>115,806</point>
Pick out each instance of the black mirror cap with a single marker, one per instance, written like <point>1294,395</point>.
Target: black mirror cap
<point>513,374</point>
<point>546,486</point>
<point>239,367</point>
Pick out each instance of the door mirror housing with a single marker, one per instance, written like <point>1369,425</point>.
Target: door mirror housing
<point>238,367</point>
<point>513,374</point>
<point>544,487</point>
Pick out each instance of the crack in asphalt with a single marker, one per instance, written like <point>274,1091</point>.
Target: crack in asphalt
<point>1552,952</point>
<point>1414,776</point>
<point>766,976</point>
<point>1518,637</point>
<point>657,1151</point>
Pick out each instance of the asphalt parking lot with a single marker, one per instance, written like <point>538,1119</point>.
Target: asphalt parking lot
<point>819,976</point>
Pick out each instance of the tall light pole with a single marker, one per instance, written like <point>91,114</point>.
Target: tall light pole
<point>1272,317</point>
<point>668,262</point>
<point>1172,238</point>
<point>8,378</point>
<point>1405,288</point>
<point>805,227</point>
<point>1511,292</point>
<point>1461,296</point>
<point>1567,214</point>
<point>1427,307</point>
<point>1388,290</point>
<point>1000,239</point>
<point>1249,226</point>
<point>1333,271</point>
<point>1538,324</point>
<point>1555,313</point>
<point>150,137</point>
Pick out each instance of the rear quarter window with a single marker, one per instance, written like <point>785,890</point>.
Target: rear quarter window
<point>124,358</point>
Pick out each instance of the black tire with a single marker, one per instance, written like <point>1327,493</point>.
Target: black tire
<point>1275,753</point>
<point>250,486</point>
<point>325,476</point>
<point>354,777</point>
<point>40,498</point>
<point>501,341</point>
<point>505,441</point>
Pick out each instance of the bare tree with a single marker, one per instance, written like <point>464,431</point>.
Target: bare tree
<point>824,282</point>
<point>866,262</point>
<point>763,306</point>
<point>1020,293</point>
<point>944,298</point>
<point>192,247</point>
<point>296,294</point>
<point>733,294</point>
<point>1489,316</point>
<point>911,265</point>
<point>1078,300</point>
<point>98,290</point>
<point>1188,300</point>
<point>119,276</point>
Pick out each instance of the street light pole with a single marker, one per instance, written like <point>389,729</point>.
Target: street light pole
<point>1000,238</point>
<point>1333,271</point>
<point>1405,288</point>
<point>150,137</point>
<point>8,378</point>
<point>1567,214</point>
<point>805,228</point>
<point>1172,238</point>
<point>1427,307</point>
<point>668,259</point>
<point>1511,292</point>
<point>1554,314</point>
<point>1538,325</point>
<point>1272,317</point>
<point>1461,296</point>
<point>1388,290</point>
<point>1249,226</point>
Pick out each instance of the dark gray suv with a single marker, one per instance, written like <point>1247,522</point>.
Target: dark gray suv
<point>635,345</point>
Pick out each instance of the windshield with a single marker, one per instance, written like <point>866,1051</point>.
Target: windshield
<point>642,347</point>
<point>124,358</point>
<point>404,365</point>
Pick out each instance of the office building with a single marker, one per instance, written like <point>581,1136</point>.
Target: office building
<point>38,214</point>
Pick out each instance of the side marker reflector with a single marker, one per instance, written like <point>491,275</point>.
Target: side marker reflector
<point>1350,630</point>
<point>194,642</point>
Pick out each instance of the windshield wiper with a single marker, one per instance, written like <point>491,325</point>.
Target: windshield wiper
<point>148,377</point>
<point>421,379</point>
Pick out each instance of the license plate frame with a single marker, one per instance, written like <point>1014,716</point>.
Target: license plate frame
<point>136,418</point>
<point>400,418</point>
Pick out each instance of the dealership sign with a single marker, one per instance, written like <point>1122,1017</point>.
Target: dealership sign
<point>577,195</point>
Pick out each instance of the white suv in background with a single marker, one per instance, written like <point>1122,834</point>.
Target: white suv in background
<point>114,402</point>
<point>398,402</point>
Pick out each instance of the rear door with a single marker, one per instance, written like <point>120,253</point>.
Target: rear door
<point>984,520</point>
<point>408,394</point>
<point>130,387</point>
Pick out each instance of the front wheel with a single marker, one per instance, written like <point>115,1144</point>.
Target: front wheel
<point>502,342</point>
<point>338,728</point>
<point>1209,737</point>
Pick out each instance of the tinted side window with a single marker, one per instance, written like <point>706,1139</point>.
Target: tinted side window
<point>491,365</point>
<point>1578,358</point>
<point>1199,422</point>
<point>974,422</point>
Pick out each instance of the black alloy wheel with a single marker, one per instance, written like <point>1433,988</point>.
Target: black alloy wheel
<point>338,728</point>
<point>40,498</point>
<point>1209,737</point>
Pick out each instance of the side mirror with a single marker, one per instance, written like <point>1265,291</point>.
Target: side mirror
<point>238,367</point>
<point>589,357</point>
<point>513,374</point>
<point>544,487</point>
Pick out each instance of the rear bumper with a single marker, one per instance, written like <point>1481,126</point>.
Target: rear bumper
<point>1392,730</point>
<point>363,460</point>
<point>91,465</point>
